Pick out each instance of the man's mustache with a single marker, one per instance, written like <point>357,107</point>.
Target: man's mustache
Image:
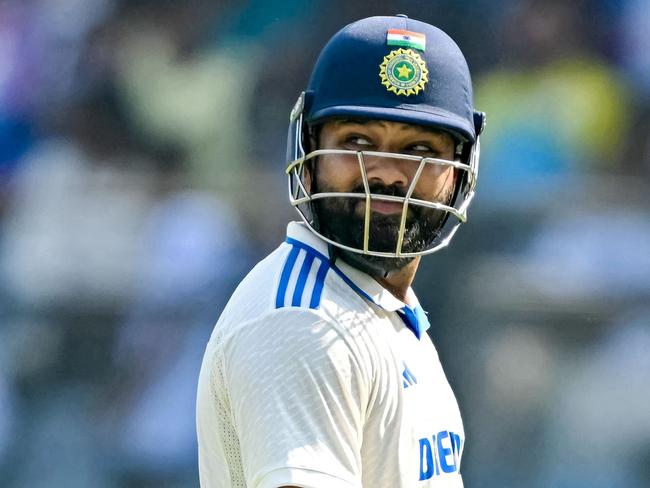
<point>391,190</point>
<point>381,189</point>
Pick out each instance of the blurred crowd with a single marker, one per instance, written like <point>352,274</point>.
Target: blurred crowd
<point>141,174</point>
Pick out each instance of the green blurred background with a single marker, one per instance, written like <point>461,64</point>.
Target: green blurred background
<point>141,175</point>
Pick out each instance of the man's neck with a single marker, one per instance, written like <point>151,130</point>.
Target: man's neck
<point>399,282</point>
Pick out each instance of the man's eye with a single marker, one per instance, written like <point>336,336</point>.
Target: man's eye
<point>421,148</point>
<point>359,141</point>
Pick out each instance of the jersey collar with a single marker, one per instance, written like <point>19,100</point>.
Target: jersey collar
<point>362,283</point>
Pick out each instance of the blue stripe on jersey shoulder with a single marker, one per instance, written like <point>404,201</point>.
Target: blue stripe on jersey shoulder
<point>284,277</point>
<point>318,286</point>
<point>302,280</point>
<point>324,258</point>
<point>290,292</point>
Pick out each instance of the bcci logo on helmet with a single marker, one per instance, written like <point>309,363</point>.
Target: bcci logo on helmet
<point>403,72</point>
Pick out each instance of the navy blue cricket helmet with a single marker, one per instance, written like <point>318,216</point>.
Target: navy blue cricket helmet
<point>395,69</point>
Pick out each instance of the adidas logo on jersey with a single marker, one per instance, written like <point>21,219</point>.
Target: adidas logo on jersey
<point>408,377</point>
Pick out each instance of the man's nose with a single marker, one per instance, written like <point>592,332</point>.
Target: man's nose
<point>388,171</point>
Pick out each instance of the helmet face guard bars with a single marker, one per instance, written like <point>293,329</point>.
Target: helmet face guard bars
<point>452,214</point>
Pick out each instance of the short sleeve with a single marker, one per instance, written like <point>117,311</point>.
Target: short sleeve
<point>298,394</point>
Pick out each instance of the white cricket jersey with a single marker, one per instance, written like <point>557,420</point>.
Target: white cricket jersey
<point>316,376</point>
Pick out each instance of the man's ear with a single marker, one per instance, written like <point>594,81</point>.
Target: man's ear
<point>309,170</point>
<point>311,138</point>
<point>307,176</point>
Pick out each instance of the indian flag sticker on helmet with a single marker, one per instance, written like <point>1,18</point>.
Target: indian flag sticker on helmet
<point>404,38</point>
<point>403,72</point>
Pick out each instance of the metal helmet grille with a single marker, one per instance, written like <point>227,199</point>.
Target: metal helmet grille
<point>453,213</point>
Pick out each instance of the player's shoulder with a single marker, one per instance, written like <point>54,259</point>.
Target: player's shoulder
<point>291,291</point>
<point>291,278</point>
<point>294,275</point>
<point>300,336</point>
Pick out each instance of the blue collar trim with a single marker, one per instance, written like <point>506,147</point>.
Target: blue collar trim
<point>415,319</point>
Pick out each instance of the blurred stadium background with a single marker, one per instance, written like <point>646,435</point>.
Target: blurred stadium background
<point>141,156</point>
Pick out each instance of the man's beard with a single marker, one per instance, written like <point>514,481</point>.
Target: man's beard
<point>336,219</point>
